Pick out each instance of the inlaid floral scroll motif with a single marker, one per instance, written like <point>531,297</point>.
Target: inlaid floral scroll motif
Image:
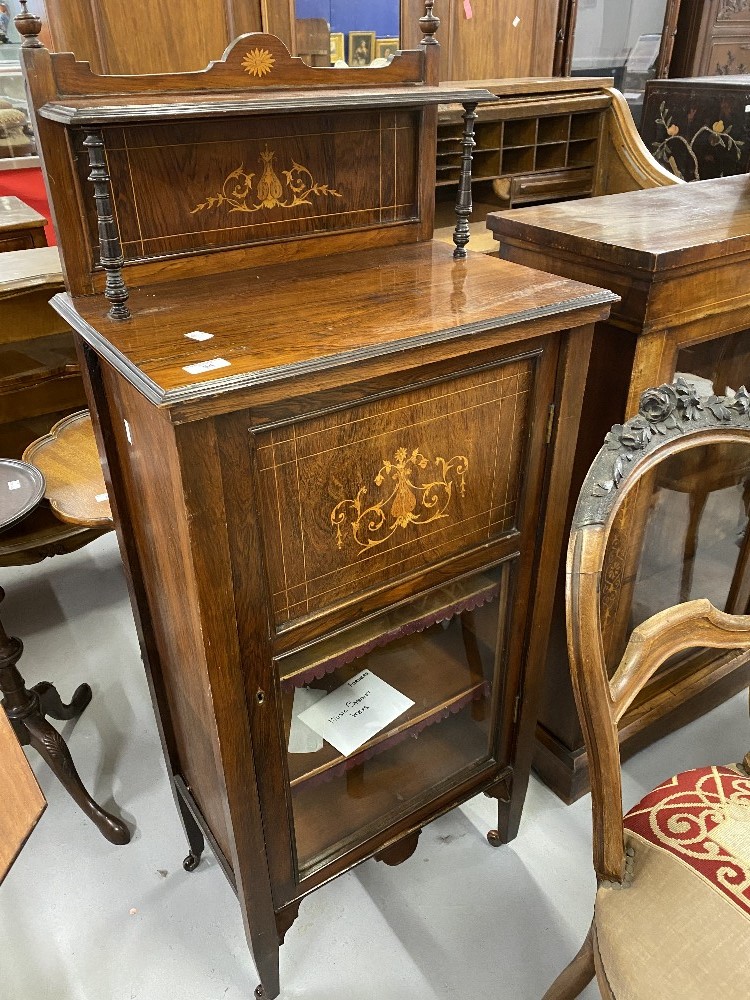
<point>416,496</point>
<point>239,194</point>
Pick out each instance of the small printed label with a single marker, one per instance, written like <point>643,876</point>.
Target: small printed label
<point>199,335</point>
<point>14,484</point>
<point>100,497</point>
<point>352,714</point>
<point>516,21</point>
<point>128,435</point>
<point>206,366</point>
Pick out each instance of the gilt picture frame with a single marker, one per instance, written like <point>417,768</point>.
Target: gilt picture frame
<point>386,47</point>
<point>361,48</point>
<point>338,53</point>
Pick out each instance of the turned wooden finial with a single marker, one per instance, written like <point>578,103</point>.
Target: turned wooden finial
<point>429,24</point>
<point>28,25</point>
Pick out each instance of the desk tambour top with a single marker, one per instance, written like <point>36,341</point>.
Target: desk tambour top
<point>269,325</point>
<point>653,230</point>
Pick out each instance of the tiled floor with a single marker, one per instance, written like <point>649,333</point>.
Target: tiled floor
<point>82,920</point>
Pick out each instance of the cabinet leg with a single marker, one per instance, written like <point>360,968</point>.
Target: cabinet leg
<point>269,986</point>
<point>193,833</point>
<point>503,792</point>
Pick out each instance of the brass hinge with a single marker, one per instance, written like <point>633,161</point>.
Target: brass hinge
<point>550,422</point>
<point>516,707</point>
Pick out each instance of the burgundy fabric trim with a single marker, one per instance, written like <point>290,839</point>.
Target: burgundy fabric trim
<point>419,624</point>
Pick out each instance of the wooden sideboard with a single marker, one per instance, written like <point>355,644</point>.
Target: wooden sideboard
<point>685,308</point>
<point>21,228</point>
<point>330,442</point>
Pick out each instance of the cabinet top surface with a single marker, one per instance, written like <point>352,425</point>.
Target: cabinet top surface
<point>273,323</point>
<point>654,229</point>
<point>119,109</point>
<point>16,214</point>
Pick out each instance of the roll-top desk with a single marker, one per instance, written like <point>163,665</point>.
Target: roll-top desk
<point>328,443</point>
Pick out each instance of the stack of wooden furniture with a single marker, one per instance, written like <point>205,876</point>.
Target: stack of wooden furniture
<point>330,444</point>
<point>685,308</point>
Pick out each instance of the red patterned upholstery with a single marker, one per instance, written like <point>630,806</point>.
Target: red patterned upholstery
<point>679,926</point>
<point>703,818</point>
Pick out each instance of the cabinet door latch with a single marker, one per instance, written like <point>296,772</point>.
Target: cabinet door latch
<point>550,422</point>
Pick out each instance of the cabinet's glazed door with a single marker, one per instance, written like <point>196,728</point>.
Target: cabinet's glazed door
<point>439,653</point>
<point>400,535</point>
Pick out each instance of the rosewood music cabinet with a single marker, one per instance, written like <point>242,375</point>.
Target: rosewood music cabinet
<point>329,445</point>
<point>678,258</point>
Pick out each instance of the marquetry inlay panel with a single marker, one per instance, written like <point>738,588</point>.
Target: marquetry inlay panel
<point>354,500</point>
<point>269,179</point>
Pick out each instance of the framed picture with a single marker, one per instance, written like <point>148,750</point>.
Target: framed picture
<point>361,48</point>
<point>337,47</point>
<point>386,47</point>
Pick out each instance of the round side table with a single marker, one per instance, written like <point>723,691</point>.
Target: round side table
<point>21,489</point>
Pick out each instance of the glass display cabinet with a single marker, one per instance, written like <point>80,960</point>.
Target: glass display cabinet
<point>331,444</point>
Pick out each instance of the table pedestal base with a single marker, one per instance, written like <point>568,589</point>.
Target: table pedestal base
<point>27,711</point>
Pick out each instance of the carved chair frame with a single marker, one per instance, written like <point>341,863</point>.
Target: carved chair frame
<point>671,419</point>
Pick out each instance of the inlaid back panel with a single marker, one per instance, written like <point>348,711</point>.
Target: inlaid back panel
<point>264,179</point>
<point>354,500</point>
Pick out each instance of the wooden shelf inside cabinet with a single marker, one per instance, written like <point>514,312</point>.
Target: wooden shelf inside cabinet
<point>413,771</point>
<point>443,676</point>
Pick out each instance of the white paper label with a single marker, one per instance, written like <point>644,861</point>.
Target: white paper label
<point>206,366</point>
<point>516,21</point>
<point>199,335</point>
<point>100,497</point>
<point>301,738</point>
<point>14,484</point>
<point>352,714</point>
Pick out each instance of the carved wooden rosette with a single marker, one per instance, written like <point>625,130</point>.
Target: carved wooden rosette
<point>665,413</point>
<point>463,201</point>
<point>110,251</point>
